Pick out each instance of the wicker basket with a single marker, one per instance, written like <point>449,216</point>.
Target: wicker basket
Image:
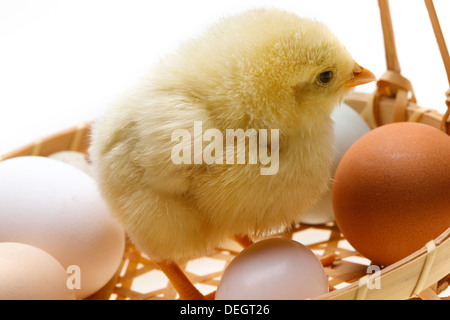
<point>425,274</point>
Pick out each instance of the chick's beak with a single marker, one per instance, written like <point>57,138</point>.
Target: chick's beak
<point>360,76</point>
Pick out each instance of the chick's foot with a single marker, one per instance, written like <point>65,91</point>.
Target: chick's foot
<point>180,282</point>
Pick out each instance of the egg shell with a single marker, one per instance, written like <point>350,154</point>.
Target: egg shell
<point>349,126</point>
<point>273,269</point>
<point>75,159</point>
<point>58,208</point>
<point>30,273</point>
<point>391,192</point>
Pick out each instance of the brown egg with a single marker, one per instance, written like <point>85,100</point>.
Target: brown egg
<point>391,190</point>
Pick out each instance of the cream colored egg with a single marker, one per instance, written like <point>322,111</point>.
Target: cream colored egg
<point>74,158</point>
<point>349,126</point>
<point>58,208</point>
<point>29,273</point>
<point>273,269</point>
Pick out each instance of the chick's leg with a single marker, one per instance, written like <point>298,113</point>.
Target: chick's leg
<point>180,282</point>
<point>244,241</point>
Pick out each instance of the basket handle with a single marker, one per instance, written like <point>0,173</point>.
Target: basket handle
<point>445,124</point>
<point>391,83</point>
<point>388,35</point>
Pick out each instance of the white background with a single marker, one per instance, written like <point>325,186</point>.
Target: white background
<point>62,62</point>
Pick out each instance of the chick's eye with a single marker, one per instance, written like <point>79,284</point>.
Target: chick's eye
<point>325,77</point>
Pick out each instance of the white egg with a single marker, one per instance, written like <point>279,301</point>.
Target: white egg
<point>349,126</point>
<point>74,158</point>
<point>273,269</point>
<point>30,273</point>
<point>58,208</point>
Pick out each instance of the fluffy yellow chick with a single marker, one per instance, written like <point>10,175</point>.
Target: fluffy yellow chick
<point>262,69</point>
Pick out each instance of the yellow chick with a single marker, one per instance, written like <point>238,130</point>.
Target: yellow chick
<point>268,72</point>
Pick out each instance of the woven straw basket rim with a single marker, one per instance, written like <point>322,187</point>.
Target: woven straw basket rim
<point>424,274</point>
